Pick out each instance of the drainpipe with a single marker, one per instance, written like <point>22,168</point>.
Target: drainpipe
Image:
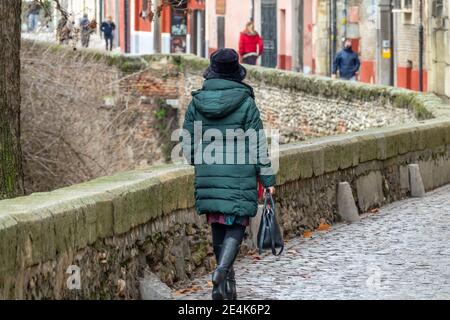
<point>391,18</point>
<point>385,41</point>
<point>421,45</point>
<point>156,29</point>
<point>301,35</point>
<point>334,29</point>
<point>346,18</point>
<point>118,22</point>
<point>99,17</point>
<point>252,11</point>
<point>330,37</point>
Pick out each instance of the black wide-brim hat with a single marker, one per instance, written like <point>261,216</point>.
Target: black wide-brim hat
<point>224,64</point>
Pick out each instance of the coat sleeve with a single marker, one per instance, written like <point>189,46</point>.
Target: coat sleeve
<point>263,165</point>
<point>188,135</point>
<point>357,63</point>
<point>260,45</point>
<point>336,63</point>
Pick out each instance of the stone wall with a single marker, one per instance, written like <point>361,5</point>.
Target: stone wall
<point>113,228</point>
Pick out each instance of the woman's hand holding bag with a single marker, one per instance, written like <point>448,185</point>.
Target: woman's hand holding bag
<point>269,234</point>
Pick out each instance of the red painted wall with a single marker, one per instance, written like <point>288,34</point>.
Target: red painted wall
<point>415,80</point>
<point>122,25</point>
<point>355,45</point>
<point>367,71</point>
<point>409,78</point>
<point>165,19</point>
<point>141,24</point>
<point>188,22</point>
<point>196,5</point>
<point>284,62</point>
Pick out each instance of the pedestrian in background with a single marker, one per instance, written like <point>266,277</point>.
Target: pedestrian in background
<point>226,192</point>
<point>250,44</point>
<point>108,28</point>
<point>34,10</point>
<point>66,30</point>
<point>92,26</point>
<point>84,28</point>
<point>346,62</point>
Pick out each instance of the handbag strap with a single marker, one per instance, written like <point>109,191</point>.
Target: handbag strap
<point>272,238</point>
<point>268,197</point>
<point>271,215</point>
<point>263,230</point>
<point>265,217</point>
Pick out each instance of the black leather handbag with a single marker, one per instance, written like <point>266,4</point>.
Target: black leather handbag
<point>269,233</point>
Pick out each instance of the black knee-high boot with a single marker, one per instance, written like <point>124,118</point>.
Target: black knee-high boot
<point>230,287</point>
<point>228,253</point>
<point>217,249</point>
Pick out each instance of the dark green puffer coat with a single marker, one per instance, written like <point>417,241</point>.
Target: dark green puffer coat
<point>221,186</point>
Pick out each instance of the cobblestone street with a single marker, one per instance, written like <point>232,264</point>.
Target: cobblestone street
<point>401,252</point>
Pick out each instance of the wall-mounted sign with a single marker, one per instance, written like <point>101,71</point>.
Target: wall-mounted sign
<point>179,26</point>
<point>220,6</point>
<point>178,45</point>
<point>178,31</point>
<point>386,49</point>
<point>386,53</point>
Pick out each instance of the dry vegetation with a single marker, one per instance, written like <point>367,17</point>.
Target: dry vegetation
<point>69,132</point>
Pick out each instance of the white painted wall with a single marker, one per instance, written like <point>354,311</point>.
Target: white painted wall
<point>79,7</point>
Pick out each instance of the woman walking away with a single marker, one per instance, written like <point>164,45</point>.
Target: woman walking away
<point>226,179</point>
<point>250,44</point>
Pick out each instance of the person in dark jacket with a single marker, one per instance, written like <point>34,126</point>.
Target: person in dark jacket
<point>108,27</point>
<point>226,188</point>
<point>85,32</point>
<point>346,62</point>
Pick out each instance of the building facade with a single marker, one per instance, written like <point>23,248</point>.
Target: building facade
<point>224,22</point>
<point>439,47</point>
<point>179,29</point>
<point>403,43</point>
<point>78,8</point>
<point>274,20</point>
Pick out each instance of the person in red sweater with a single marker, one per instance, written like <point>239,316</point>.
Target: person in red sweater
<point>250,44</point>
